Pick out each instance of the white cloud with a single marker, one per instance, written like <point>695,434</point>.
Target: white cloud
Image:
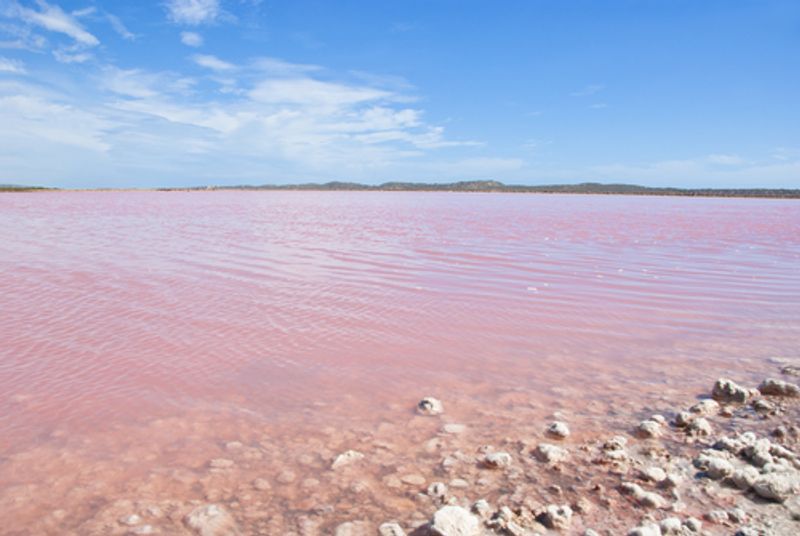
<point>212,62</point>
<point>130,82</point>
<point>591,89</point>
<point>193,12</point>
<point>54,19</point>
<point>8,65</point>
<point>120,28</point>
<point>311,92</point>
<point>69,56</point>
<point>725,159</point>
<point>192,39</point>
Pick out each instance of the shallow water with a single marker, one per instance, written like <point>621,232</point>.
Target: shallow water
<point>142,330</point>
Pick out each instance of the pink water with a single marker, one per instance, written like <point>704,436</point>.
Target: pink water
<point>226,312</point>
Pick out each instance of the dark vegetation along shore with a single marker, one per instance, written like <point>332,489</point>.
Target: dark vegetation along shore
<point>488,186</point>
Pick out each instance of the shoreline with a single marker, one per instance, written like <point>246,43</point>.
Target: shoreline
<point>723,462</point>
<point>462,187</point>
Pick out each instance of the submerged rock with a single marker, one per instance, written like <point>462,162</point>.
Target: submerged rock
<point>454,521</point>
<point>346,458</point>
<point>548,453</point>
<point>497,460</point>
<point>430,406</point>
<point>212,520</point>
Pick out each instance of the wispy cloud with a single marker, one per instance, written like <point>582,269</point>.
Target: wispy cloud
<point>591,89</point>
<point>193,12</point>
<point>54,19</point>
<point>726,159</point>
<point>191,39</point>
<point>120,28</point>
<point>11,66</point>
<point>212,62</point>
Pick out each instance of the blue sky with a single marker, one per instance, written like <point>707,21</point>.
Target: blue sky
<point>191,92</point>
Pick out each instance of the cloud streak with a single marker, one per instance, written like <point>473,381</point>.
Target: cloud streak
<point>193,12</point>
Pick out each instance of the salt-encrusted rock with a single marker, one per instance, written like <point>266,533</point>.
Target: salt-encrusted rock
<point>671,525</point>
<point>653,474</point>
<point>707,406</point>
<point>558,430</point>
<point>774,387</point>
<point>726,390</point>
<point>737,515</point>
<point>649,428</point>
<point>130,520</point>
<point>644,498</point>
<point>715,467</point>
<point>220,463</point>
<point>759,452</point>
<point>557,517</point>
<point>233,445</point>
<point>346,458</point>
<point>693,524</point>
<point>671,481</point>
<point>717,516</point>
<point>497,460</point>
<point>211,520</point>
<point>590,532</point>
<point>699,427</point>
<point>482,508</point>
<point>777,486</point>
<point>744,477</point>
<point>142,529</point>
<point>454,521</point>
<point>459,483</point>
<point>684,418</point>
<point>615,443</point>
<point>430,406</point>
<point>286,477</point>
<point>763,406</point>
<point>437,490</point>
<point>353,528</point>
<point>548,453</point>
<point>391,529</point>
<point>648,529</point>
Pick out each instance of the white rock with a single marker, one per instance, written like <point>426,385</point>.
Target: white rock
<point>391,529</point>
<point>558,430</point>
<point>130,520</point>
<point>437,489</point>
<point>346,458</point>
<point>497,460</point>
<point>212,520</point>
<point>699,427</point>
<point>777,486</point>
<point>353,528</point>
<point>707,406</point>
<point>649,529</point>
<point>671,525</point>
<point>548,453</point>
<point>454,429</point>
<point>775,387</point>
<point>649,428</point>
<point>693,524</point>
<point>556,517</point>
<point>430,406</point>
<point>744,477</point>
<point>220,463</point>
<point>726,390</point>
<point>454,521</point>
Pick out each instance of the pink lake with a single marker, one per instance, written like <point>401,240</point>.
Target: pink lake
<point>143,331</point>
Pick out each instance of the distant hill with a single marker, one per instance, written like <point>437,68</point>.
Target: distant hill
<point>20,188</point>
<point>495,186</point>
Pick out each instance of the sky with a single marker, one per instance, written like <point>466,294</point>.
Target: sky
<point>689,93</point>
